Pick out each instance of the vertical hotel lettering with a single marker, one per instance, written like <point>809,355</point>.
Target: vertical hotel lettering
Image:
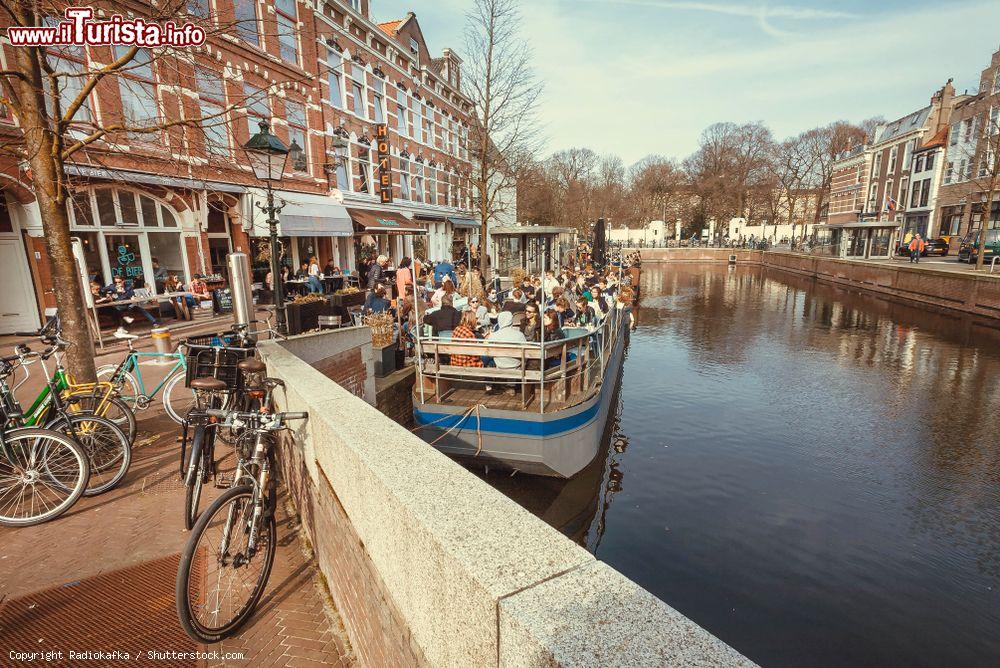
<point>384,168</point>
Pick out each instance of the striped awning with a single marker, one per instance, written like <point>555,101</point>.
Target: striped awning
<point>384,222</point>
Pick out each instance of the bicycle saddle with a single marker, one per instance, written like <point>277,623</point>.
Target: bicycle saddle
<point>251,365</point>
<point>209,385</point>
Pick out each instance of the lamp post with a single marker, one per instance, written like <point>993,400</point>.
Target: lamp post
<point>267,156</point>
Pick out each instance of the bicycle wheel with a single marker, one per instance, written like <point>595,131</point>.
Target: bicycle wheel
<point>42,474</point>
<point>129,389</point>
<point>111,408</point>
<point>177,399</point>
<point>194,477</point>
<point>108,448</point>
<point>220,581</point>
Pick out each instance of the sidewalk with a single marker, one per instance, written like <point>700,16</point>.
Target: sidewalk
<point>101,577</point>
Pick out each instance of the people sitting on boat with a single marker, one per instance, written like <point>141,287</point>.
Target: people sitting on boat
<point>514,303</point>
<point>624,305</point>
<point>532,323</point>
<point>585,315</point>
<point>443,269</point>
<point>564,312</point>
<point>506,333</point>
<point>447,288</point>
<point>482,313</point>
<point>466,329</point>
<point>446,318</point>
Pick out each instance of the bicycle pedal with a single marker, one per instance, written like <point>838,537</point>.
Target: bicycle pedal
<point>223,481</point>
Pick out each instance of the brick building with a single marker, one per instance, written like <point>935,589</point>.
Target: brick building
<point>975,120</point>
<point>848,186</point>
<point>186,195</point>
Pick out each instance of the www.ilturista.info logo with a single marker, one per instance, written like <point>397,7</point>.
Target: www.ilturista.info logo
<point>80,28</point>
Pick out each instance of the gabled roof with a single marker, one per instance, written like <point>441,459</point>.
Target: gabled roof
<point>902,126</point>
<point>939,139</point>
<point>390,28</point>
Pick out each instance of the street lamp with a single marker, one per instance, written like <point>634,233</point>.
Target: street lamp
<point>267,156</point>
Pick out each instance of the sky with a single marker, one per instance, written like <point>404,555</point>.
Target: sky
<point>640,77</point>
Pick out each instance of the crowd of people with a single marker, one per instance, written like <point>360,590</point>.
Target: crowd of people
<point>536,308</point>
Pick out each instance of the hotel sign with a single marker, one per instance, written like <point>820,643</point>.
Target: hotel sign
<point>384,166</point>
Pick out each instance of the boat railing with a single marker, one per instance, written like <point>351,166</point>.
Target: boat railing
<point>556,370</point>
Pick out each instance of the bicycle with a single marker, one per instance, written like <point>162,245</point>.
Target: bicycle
<point>127,377</point>
<point>107,447</point>
<point>43,472</point>
<point>215,588</point>
<point>201,465</point>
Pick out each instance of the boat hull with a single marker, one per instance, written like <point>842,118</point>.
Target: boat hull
<point>559,443</point>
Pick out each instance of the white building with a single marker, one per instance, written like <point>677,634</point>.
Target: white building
<point>654,233</point>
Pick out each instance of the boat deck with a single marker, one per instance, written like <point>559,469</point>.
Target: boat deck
<point>500,398</point>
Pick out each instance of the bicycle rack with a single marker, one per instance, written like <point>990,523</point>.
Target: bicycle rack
<point>993,262</point>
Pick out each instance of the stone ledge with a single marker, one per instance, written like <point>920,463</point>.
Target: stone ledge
<point>595,616</point>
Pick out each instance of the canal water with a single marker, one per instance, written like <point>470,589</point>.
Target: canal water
<point>811,474</point>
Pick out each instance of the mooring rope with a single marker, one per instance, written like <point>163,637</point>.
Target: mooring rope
<point>479,421</point>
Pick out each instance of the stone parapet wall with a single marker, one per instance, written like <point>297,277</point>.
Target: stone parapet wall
<point>429,565</point>
<point>966,291</point>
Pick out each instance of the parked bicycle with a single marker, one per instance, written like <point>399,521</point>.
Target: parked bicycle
<point>107,447</point>
<point>43,472</point>
<point>227,561</point>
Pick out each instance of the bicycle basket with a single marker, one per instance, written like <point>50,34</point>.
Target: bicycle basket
<point>216,362</point>
<point>223,339</point>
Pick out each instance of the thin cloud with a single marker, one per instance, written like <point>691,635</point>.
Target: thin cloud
<point>761,13</point>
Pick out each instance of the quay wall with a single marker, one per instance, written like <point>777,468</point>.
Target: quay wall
<point>429,565</point>
<point>968,292</point>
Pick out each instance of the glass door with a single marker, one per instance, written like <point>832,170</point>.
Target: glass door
<point>126,258</point>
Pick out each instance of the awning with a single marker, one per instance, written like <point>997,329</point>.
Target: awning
<point>384,222</point>
<point>301,215</point>
<point>464,222</point>
<point>129,176</point>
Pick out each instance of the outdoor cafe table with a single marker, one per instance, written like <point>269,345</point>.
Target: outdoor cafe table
<point>166,297</point>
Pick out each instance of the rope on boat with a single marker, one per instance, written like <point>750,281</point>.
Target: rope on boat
<point>479,433</point>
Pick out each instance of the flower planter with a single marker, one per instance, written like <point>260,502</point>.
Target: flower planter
<point>385,360</point>
<point>304,317</point>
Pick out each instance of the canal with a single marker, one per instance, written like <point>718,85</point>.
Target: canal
<point>811,474</point>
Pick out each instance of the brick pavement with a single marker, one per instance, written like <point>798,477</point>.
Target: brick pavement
<point>140,522</point>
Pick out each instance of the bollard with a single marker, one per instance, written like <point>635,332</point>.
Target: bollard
<point>162,343</point>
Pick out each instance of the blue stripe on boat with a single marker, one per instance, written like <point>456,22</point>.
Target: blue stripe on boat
<point>510,426</point>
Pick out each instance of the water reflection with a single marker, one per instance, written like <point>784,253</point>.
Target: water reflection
<point>808,472</point>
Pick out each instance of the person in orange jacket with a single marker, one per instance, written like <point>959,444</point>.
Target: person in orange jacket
<point>916,248</point>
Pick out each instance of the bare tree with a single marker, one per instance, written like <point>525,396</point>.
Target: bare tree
<point>826,143</point>
<point>504,92</point>
<point>794,167</point>
<point>658,185</point>
<point>984,167</point>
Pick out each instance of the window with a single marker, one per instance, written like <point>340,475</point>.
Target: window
<point>364,168</point>
<point>256,104</point>
<point>198,8</point>
<point>246,21</point>
<point>417,192</point>
<point>379,105</point>
<point>893,154</point>
<point>138,92</point>
<point>288,45</point>
<point>949,171</point>
<point>929,165</point>
<point>915,195</point>
<point>295,113</point>
<point>994,121</point>
<point>212,102</point>
<point>996,82</point>
<point>432,194</point>
<point>920,165</point>
<point>417,120</point>
<point>963,168</point>
<point>428,119</point>
<point>358,90</point>
<point>401,112</point>
<point>955,129</point>
<point>335,64</point>
<point>908,153</point>
<point>925,192</point>
<point>343,182</point>
<point>404,179</point>
<point>415,50</point>
<point>356,5</point>
<point>967,128</point>
<point>69,86</point>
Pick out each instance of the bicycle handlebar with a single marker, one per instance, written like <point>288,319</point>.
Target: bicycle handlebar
<point>280,417</point>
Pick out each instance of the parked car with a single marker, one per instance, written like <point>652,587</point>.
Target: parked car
<point>969,250</point>
<point>937,246</point>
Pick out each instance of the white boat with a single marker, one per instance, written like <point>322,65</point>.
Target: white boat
<point>544,419</point>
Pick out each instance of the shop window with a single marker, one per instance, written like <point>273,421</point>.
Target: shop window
<point>165,247</point>
<point>90,245</point>
<point>168,217</point>
<point>125,258</point>
<point>106,207</point>
<point>148,207</point>
<point>130,217</point>
<point>218,249</point>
